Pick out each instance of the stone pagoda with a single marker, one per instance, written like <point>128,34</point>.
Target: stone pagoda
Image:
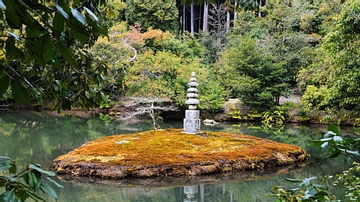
<point>192,115</point>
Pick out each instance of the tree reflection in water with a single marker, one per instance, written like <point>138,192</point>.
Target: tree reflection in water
<point>27,136</point>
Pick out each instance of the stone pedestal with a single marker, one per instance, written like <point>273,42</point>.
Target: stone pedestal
<point>192,121</point>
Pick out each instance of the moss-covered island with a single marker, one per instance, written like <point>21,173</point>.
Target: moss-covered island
<point>171,152</point>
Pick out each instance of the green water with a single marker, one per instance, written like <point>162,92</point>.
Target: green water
<point>34,136</point>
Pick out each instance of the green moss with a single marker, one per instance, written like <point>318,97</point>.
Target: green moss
<point>171,148</point>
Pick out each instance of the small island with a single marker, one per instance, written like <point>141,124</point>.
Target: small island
<point>176,152</point>
<point>172,152</point>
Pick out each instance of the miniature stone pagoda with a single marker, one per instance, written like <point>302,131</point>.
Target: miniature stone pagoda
<point>192,120</point>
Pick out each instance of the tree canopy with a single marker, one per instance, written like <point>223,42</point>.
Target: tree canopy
<point>44,52</point>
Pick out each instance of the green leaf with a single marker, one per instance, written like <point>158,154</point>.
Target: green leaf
<point>13,168</point>
<point>4,159</point>
<point>307,181</point>
<point>11,49</point>
<point>11,16</point>
<point>9,196</point>
<point>47,49</point>
<point>334,129</point>
<point>58,23</point>
<point>103,96</point>
<point>4,84</point>
<point>34,29</point>
<point>35,167</point>
<point>292,180</point>
<point>54,182</point>
<point>19,93</point>
<point>83,38</point>
<point>356,153</point>
<point>48,190</point>
<point>33,181</point>
<point>87,94</point>
<point>88,11</point>
<point>4,163</point>
<point>22,194</point>
<point>95,25</point>
<point>42,49</point>
<point>332,155</point>
<point>78,16</point>
<point>61,11</point>
<point>68,55</point>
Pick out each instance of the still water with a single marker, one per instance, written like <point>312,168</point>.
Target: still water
<point>37,137</point>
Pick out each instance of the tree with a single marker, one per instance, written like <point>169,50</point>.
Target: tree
<point>44,52</point>
<point>153,14</point>
<point>251,75</point>
<point>206,17</point>
<point>340,60</point>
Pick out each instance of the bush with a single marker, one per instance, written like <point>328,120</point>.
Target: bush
<point>25,184</point>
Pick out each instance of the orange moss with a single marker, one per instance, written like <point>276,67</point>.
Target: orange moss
<point>174,151</point>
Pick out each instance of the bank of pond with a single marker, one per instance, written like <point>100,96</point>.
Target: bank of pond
<point>37,137</point>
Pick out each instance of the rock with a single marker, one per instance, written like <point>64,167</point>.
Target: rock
<point>209,122</point>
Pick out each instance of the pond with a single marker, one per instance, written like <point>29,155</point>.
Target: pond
<point>37,137</point>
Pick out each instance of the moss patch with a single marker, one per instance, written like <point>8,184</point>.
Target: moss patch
<point>174,153</point>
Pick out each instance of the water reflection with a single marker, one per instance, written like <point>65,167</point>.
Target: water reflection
<point>28,136</point>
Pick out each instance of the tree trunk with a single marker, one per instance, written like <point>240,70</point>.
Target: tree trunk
<point>192,18</point>
<point>227,21</point>
<point>235,11</point>
<point>184,18</point>
<point>206,17</point>
<point>260,5</point>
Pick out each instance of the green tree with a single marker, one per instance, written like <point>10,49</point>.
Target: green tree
<point>337,71</point>
<point>153,14</point>
<point>251,75</point>
<point>44,52</point>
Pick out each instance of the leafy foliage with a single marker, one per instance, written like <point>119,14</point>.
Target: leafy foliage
<point>44,52</point>
<point>153,14</point>
<point>251,75</point>
<point>17,190</point>
<point>163,67</point>
<point>337,72</point>
<point>350,180</point>
<point>306,191</point>
<point>162,75</point>
<point>335,145</point>
<point>273,117</point>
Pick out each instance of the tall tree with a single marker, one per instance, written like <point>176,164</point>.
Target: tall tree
<point>206,17</point>
<point>341,45</point>
<point>192,17</point>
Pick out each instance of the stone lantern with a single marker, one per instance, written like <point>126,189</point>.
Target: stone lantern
<point>192,120</point>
